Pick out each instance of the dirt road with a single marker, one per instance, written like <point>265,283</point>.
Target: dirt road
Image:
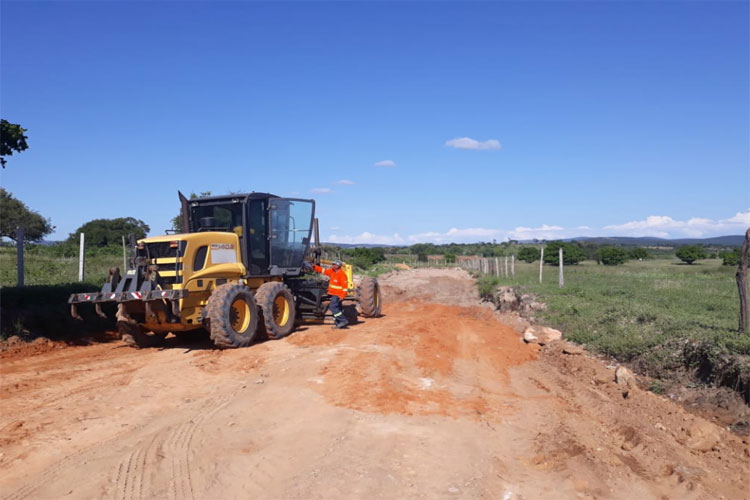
<point>437,399</point>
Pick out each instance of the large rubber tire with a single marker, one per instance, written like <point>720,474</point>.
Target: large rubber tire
<point>277,308</point>
<point>232,316</point>
<point>370,299</point>
<point>351,314</point>
<point>134,334</point>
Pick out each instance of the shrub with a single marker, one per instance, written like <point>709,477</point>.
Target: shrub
<point>730,257</point>
<point>613,256</point>
<point>450,258</point>
<point>691,253</point>
<point>529,254</point>
<point>572,254</point>
<point>639,254</point>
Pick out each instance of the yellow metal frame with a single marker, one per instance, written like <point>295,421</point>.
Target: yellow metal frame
<point>192,306</point>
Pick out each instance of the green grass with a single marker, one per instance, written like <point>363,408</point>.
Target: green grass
<point>660,315</point>
<point>43,268</point>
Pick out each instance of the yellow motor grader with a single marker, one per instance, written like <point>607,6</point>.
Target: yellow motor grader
<point>237,270</point>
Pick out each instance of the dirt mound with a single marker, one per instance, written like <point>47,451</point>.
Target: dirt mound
<point>443,286</point>
<point>15,346</point>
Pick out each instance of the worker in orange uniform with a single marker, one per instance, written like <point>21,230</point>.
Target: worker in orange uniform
<point>337,287</point>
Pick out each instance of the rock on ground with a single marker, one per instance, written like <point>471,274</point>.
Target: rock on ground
<point>541,335</point>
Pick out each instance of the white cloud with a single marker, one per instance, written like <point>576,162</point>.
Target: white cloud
<point>468,143</point>
<point>345,182</point>
<point>335,228</point>
<point>658,225</point>
<point>385,163</point>
<point>543,232</point>
<point>366,237</point>
<point>740,218</point>
<point>663,226</point>
<point>321,190</point>
<point>456,235</point>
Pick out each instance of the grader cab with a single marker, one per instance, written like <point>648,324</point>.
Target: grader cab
<point>236,270</point>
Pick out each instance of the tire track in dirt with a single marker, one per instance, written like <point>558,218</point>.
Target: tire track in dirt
<point>173,443</point>
<point>74,460</point>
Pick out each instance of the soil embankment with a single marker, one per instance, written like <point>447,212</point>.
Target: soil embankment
<point>436,399</point>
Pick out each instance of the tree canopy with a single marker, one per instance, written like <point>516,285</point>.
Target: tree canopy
<point>365,257</point>
<point>14,213</point>
<point>529,254</point>
<point>613,256</point>
<point>691,253</point>
<point>572,253</point>
<point>730,257</point>
<point>12,138</point>
<point>639,253</point>
<point>103,232</point>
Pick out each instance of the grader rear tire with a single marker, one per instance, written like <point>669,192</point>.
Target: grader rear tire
<point>370,299</point>
<point>277,308</point>
<point>232,316</point>
<point>134,334</point>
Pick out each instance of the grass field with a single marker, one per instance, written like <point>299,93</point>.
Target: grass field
<point>41,268</point>
<point>661,315</point>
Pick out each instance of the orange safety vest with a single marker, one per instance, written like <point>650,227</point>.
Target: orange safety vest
<point>337,281</point>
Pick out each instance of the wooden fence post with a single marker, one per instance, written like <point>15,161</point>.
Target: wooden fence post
<point>19,255</point>
<point>81,258</point>
<point>513,265</point>
<point>561,278</point>
<point>497,268</point>
<point>741,278</point>
<point>541,263</point>
<point>506,266</point>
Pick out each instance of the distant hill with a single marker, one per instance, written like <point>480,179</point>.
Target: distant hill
<point>724,241</point>
<point>650,241</point>
<point>356,245</point>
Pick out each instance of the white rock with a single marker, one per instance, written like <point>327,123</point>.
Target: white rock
<point>528,335</point>
<point>624,377</point>
<point>541,335</point>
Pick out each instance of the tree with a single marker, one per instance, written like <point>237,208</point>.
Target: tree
<point>572,254</point>
<point>528,254</point>
<point>613,256</point>
<point>423,248</point>
<point>691,253</point>
<point>14,214</point>
<point>366,257</point>
<point>12,139</point>
<point>639,253</point>
<point>730,257</point>
<point>103,232</point>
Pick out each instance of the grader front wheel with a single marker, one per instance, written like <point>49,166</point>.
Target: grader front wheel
<point>277,306</point>
<point>232,315</point>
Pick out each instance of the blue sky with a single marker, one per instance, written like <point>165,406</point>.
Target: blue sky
<point>407,122</point>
